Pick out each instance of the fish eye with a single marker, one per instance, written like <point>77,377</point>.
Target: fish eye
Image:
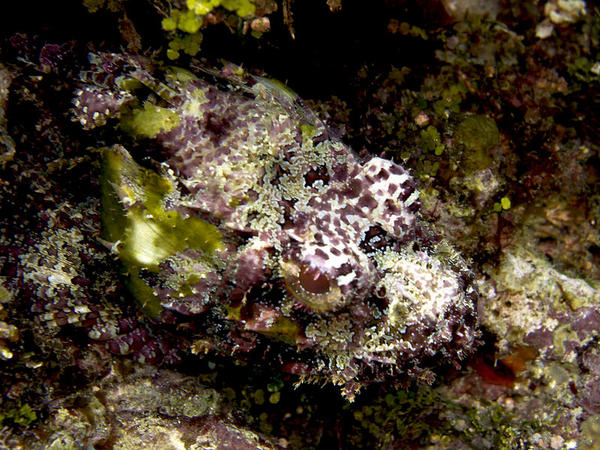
<point>312,286</point>
<point>313,280</point>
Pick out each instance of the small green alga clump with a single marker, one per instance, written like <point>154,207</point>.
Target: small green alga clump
<point>476,135</point>
<point>493,426</point>
<point>184,25</point>
<point>17,414</point>
<point>243,8</point>
<point>449,101</point>
<point>149,121</point>
<point>431,140</point>
<point>502,205</point>
<point>401,413</point>
<point>184,21</point>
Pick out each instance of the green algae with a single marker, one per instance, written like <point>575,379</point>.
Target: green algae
<point>144,232</point>
<point>477,134</point>
<point>19,414</point>
<point>167,230</point>
<point>149,121</point>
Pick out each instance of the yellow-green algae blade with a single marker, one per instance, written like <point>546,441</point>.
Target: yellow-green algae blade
<point>147,234</point>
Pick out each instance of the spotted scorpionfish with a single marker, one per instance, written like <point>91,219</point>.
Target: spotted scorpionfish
<point>245,224</point>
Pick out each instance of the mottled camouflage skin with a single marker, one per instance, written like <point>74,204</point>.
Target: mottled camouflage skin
<point>322,261</point>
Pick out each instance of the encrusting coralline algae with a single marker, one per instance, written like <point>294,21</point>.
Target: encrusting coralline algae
<point>260,235</point>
